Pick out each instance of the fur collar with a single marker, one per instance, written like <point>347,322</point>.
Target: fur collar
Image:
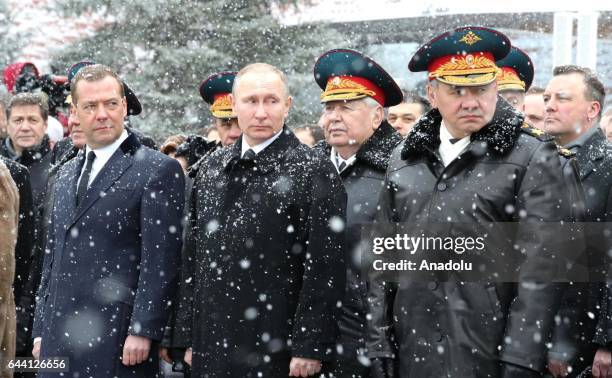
<point>499,135</point>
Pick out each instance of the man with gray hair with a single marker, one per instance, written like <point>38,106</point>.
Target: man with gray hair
<point>358,142</point>
<point>264,261</point>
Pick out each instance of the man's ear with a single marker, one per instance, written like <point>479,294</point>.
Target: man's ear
<point>124,104</point>
<point>288,103</point>
<point>593,110</point>
<point>379,115</point>
<point>431,95</point>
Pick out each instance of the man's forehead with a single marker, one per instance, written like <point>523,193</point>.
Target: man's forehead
<point>260,78</point>
<point>565,82</point>
<point>25,110</point>
<point>535,96</point>
<point>406,108</point>
<point>260,81</point>
<point>107,84</point>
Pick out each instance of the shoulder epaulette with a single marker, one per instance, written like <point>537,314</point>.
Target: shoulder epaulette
<point>535,132</point>
<point>566,153</point>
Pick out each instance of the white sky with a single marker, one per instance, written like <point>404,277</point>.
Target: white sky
<point>362,10</point>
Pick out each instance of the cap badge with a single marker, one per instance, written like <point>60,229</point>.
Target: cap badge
<point>470,38</point>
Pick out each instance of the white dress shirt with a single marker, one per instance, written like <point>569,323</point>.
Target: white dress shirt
<point>449,151</point>
<point>337,159</point>
<point>103,155</point>
<point>260,147</point>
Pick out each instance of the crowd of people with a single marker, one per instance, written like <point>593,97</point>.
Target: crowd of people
<point>239,252</point>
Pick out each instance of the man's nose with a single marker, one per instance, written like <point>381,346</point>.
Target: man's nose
<point>550,105</point>
<point>101,112</point>
<point>331,117</point>
<point>260,111</point>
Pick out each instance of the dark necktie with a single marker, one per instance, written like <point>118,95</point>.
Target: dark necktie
<point>341,167</point>
<point>82,189</point>
<point>249,155</point>
<point>454,140</point>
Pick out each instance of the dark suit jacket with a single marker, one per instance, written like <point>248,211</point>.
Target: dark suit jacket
<point>111,263</point>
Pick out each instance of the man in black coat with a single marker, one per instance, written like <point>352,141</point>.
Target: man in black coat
<point>23,249</point>
<point>358,142</point>
<point>573,99</point>
<point>470,160</point>
<point>114,243</point>
<point>266,240</point>
<point>28,144</point>
<point>215,91</point>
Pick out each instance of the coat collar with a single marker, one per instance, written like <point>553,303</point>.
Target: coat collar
<point>29,156</point>
<point>594,148</point>
<point>499,135</point>
<point>376,151</point>
<point>268,158</point>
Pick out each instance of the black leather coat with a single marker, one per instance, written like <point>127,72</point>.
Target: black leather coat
<point>508,173</point>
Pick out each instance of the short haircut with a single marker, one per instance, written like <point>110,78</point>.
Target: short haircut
<point>413,98</point>
<point>94,72</point>
<point>29,99</point>
<point>371,103</point>
<point>172,143</point>
<point>535,91</point>
<point>595,90</point>
<point>261,68</point>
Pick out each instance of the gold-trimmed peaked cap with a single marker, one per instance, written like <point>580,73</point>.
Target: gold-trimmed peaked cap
<point>345,74</point>
<point>216,90</point>
<point>517,71</point>
<point>464,57</point>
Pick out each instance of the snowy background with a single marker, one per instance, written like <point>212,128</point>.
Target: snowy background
<point>164,49</point>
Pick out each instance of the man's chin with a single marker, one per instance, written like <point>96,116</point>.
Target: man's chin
<point>551,128</point>
<point>472,127</point>
<point>338,142</point>
<point>26,144</point>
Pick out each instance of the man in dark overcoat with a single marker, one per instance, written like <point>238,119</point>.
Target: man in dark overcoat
<point>267,222</point>
<point>471,160</point>
<point>359,142</point>
<point>573,100</point>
